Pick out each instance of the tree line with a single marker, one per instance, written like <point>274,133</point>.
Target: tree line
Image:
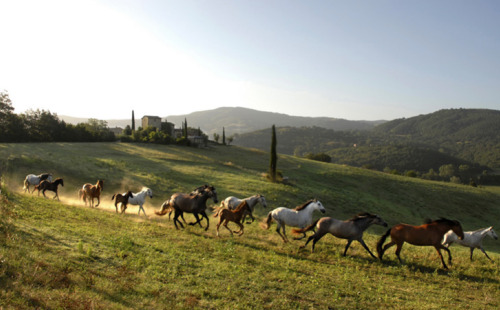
<point>44,126</point>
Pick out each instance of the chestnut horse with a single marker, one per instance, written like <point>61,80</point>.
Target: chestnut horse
<point>49,186</point>
<point>236,215</point>
<point>123,199</point>
<point>430,233</point>
<point>90,192</point>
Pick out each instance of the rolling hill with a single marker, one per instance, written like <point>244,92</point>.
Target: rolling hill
<point>460,137</point>
<point>65,255</point>
<point>237,120</point>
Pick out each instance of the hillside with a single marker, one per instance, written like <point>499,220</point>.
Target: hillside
<point>64,255</point>
<point>459,137</point>
<point>237,120</point>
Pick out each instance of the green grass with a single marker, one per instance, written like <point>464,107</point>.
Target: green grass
<point>64,255</point>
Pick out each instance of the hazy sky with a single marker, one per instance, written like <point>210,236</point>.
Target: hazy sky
<point>345,59</point>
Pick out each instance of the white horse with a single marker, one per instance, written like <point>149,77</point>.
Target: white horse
<point>300,217</point>
<point>472,239</point>
<point>138,199</point>
<point>34,180</point>
<point>232,202</point>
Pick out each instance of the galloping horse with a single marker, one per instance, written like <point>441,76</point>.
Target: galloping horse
<point>49,186</point>
<point>300,217</point>
<point>232,202</point>
<point>426,234</point>
<point>90,192</point>
<point>123,199</point>
<point>139,199</point>
<point>351,229</point>
<point>34,180</point>
<point>190,203</point>
<point>472,239</point>
<point>236,215</point>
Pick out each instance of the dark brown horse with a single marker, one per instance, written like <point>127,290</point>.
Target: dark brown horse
<point>89,192</point>
<point>123,199</point>
<point>430,233</point>
<point>190,203</point>
<point>49,186</point>
<point>227,215</point>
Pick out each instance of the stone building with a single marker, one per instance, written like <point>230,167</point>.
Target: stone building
<point>153,121</point>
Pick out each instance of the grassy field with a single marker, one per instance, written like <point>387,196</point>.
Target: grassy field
<point>63,255</point>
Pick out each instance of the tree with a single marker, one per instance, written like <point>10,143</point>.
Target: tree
<point>10,124</point>
<point>223,136</point>
<point>185,134</point>
<point>133,120</point>
<point>274,156</point>
<point>216,137</point>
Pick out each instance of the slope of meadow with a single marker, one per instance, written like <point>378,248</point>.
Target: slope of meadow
<point>65,255</point>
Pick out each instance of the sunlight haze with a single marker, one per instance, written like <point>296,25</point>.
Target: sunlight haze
<point>362,60</point>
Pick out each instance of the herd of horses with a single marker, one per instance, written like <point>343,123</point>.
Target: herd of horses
<point>440,233</point>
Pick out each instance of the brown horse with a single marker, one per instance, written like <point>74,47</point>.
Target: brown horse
<point>49,186</point>
<point>430,233</point>
<point>123,199</point>
<point>227,215</point>
<point>190,203</point>
<point>90,192</point>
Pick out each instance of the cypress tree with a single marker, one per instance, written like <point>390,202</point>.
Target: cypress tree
<point>133,120</point>
<point>274,156</point>
<point>223,136</point>
<point>185,128</point>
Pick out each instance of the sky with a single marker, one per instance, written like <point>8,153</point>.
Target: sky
<point>357,60</point>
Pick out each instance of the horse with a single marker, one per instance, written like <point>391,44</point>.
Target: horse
<point>472,239</point>
<point>138,199</point>
<point>232,202</point>
<point>430,233</point>
<point>123,199</point>
<point>34,180</point>
<point>236,215</point>
<point>301,217</point>
<point>351,229</point>
<point>190,203</point>
<point>90,192</point>
<point>195,191</point>
<point>49,186</point>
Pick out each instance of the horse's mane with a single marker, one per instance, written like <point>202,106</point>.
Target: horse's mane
<point>302,207</point>
<point>360,216</point>
<point>242,205</point>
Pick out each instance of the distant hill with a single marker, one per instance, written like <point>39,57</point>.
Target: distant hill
<point>236,120</point>
<point>456,136</point>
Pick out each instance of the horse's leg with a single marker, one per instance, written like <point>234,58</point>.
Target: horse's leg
<point>98,201</point>
<point>116,207</point>
<point>399,247</point>
<point>317,236</point>
<point>471,251</point>
<point>123,207</point>
<point>225,225</point>
<point>218,225</point>
<point>198,220</point>
<point>278,224</point>
<point>176,219</point>
<point>366,247</point>
<point>482,250</point>
<point>441,256</point>
<point>204,214</point>
<point>142,208</point>
<point>347,246</point>
<point>43,192</point>
<point>384,248</point>
<point>241,228</point>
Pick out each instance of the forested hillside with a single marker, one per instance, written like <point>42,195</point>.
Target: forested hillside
<point>467,138</point>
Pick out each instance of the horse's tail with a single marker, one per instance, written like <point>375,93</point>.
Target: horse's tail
<point>25,184</point>
<point>267,222</point>
<point>218,209</point>
<point>165,207</point>
<point>303,230</point>
<point>112,198</point>
<point>381,242</point>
